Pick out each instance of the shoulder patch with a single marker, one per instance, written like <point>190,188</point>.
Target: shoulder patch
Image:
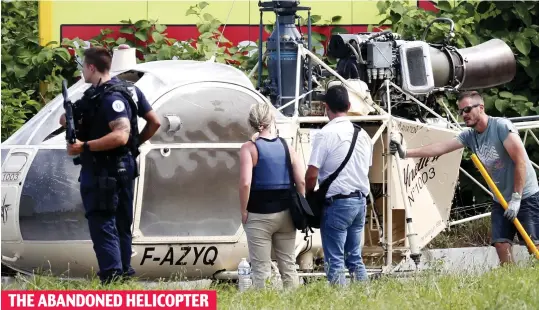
<point>118,106</point>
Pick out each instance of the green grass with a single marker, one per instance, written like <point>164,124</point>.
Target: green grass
<point>511,287</point>
<point>471,234</point>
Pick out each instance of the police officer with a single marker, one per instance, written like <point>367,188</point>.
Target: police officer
<point>107,141</point>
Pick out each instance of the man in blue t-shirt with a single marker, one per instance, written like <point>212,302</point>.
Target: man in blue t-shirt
<point>496,142</point>
<point>108,141</point>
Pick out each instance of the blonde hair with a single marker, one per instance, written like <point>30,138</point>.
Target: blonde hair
<point>260,116</point>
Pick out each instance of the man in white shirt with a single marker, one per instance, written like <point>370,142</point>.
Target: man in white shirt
<point>343,216</point>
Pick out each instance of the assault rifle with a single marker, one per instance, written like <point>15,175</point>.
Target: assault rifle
<point>71,137</point>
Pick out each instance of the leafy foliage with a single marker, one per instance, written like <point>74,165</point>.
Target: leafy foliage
<point>17,108</point>
<point>27,66</point>
<point>151,40</point>
<point>477,22</point>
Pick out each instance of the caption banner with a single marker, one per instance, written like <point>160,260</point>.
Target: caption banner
<point>109,299</point>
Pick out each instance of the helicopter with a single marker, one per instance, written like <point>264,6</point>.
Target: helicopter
<point>186,219</point>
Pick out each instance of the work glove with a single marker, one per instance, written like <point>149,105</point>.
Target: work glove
<point>396,146</point>
<point>513,207</point>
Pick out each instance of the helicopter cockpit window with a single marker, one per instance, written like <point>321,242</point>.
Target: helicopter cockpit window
<point>131,76</point>
<point>51,206</point>
<point>208,115</point>
<point>4,153</point>
<point>148,84</point>
<point>192,191</point>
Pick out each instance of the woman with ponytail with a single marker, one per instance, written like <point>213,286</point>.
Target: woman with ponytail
<point>265,198</point>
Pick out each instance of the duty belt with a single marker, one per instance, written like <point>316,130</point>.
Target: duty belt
<point>341,196</point>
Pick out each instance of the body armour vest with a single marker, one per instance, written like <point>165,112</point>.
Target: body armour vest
<point>271,170</point>
<point>93,123</point>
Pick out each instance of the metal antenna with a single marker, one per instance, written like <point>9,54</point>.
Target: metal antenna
<point>212,59</point>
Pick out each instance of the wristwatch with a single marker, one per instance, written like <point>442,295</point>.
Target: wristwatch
<point>86,146</point>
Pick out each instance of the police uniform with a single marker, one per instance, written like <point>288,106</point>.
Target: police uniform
<point>107,177</point>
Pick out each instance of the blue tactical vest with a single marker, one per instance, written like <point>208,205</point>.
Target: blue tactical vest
<point>271,171</point>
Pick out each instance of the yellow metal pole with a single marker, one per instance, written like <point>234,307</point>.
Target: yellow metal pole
<point>502,201</point>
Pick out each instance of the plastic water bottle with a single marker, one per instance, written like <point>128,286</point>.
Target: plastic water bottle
<point>244,275</point>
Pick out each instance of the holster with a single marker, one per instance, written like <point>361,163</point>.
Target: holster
<point>121,172</point>
<point>110,174</point>
<point>106,190</point>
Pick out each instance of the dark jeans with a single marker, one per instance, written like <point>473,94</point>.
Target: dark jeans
<point>504,231</point>
<point>343,221</point>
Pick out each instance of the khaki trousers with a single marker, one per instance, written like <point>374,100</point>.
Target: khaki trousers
<point>265,231</point>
